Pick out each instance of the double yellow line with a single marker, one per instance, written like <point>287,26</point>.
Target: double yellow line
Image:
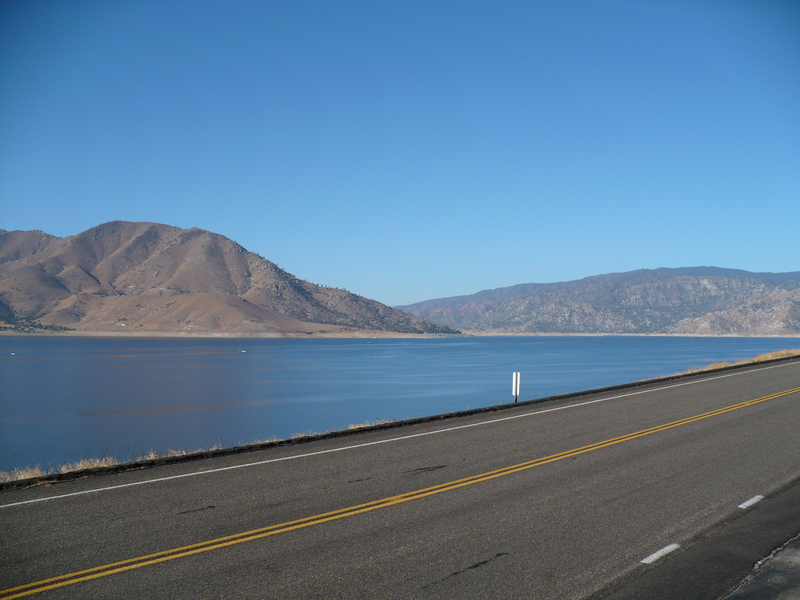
<point>255,534</point>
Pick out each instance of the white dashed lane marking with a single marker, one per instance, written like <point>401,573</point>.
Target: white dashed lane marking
<point>750,502</point>
<point>663,552</point>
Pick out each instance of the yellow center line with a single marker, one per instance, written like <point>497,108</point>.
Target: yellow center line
<point>255,534</point>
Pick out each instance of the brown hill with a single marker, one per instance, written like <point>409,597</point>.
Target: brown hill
<point>123,276</point>
<point>696,300</point>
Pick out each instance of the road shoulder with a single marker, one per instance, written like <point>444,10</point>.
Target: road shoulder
<point>719,560</point>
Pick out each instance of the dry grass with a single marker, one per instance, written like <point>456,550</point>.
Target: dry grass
<point>747,361</point>
<point>371,423</point>
<point>23,473</point>
<point>87,463</point>
<point>108,461</point>
<point>269,440</point>
<point>38,471</point>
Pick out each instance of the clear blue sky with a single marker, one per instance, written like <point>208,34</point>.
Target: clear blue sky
<point>414,150</point>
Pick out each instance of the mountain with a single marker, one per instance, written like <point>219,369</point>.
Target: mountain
<point>123,276</point>
<point>692,300</point>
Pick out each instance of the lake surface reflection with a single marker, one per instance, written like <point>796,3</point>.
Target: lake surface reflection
<point>63,399</point>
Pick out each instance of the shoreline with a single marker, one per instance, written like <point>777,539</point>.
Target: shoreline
<point>362,334</point>
<point>368,334</point>
<point>500,333</point>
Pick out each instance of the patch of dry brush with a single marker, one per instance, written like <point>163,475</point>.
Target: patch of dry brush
<point>760,358</point>
<point>85,463</point>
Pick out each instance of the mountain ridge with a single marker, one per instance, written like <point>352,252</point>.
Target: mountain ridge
<point>688,300</point>
<point>122,276</point>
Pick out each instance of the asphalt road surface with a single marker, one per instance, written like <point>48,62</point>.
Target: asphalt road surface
<point>562,499</point>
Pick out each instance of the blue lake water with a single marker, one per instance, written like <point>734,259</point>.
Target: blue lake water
<point>67,398</point>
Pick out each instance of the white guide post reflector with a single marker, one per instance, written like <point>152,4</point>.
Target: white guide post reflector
<point>515,386</point>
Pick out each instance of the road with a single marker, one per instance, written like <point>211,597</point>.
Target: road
<point>554,500</point>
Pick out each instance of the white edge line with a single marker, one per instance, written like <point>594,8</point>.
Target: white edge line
<point>752,501</point>
<point>396,439</point>
<point>663,552</point>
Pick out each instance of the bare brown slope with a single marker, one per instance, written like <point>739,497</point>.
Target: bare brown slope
<point>17,244</point>
<point>777,313</point>
<point>699,300</point>
<point>151,277</point>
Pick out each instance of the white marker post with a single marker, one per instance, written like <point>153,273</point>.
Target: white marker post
<point>515,386</point>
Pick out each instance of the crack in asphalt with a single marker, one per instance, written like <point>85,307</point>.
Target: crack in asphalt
<point>477,565</point>
<point>192,510</point>
<point>426,469</point>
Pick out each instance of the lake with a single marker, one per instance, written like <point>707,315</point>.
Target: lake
<point>67,398</point>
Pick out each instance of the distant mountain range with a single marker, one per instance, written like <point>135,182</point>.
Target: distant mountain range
<point>148,277</point>
<point>695,300</point>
